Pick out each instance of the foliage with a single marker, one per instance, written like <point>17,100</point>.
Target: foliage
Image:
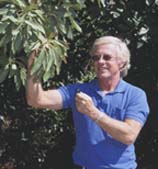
<point>27,134</point>
<point>39,25</point>
<point>62,33</point>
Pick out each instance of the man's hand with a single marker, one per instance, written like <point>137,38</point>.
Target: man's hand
<point>85,105</point>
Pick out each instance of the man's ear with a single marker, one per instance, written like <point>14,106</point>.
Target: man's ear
<point>122,64</point>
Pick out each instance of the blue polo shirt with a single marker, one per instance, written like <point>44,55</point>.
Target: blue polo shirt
<point>96,149</point>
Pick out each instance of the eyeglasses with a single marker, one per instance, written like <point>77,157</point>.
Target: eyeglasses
<point>96,58</point>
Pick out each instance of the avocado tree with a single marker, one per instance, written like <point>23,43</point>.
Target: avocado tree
<point>41,25</point>
<point>62,32</point>
<point>47,27</point>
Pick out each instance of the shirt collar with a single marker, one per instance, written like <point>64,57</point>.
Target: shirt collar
<point>120,88</point>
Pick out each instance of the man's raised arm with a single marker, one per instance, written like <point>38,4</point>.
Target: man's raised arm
<point>36,96</point>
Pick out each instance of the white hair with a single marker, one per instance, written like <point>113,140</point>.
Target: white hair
<point>121,47</point>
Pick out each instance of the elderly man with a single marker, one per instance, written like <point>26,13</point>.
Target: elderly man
<point>108,112</point>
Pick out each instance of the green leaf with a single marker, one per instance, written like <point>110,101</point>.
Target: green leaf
<point>14,67</point>
<point>40,14</point>
<point>70,34</point>
<point>17,80</point>
<point>74,6</point>
<point>42,38</point>
<point>50,59</point>
<point>62,27</point>
<point>74,24</point>
<point>58,43</point>
<point>101,2</point>
<point>38,62</point>
<point>17,43</point>
<point>46,76</point>
<point>11,18</point>
<point>35,26</point>
<point>35,46</point>
<point>23,75</point>
<point>45,61</point>
<point>15,32</point>
<point>3,27</point>
<point>3,11</point>
<point>5,39</point>
<point>20,3</point>
<point>3,74</point>
<point>13,70</point>
<point>60,12</point>
<point>3,61</point>
<point>57,58</point>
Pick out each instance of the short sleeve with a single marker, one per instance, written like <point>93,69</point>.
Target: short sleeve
<point>68,95</point>
<point>64,91</point>
<point>138,108</point>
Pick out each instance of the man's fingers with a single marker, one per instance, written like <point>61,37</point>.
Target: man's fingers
<point>32,57</point>
<point>82,95</point>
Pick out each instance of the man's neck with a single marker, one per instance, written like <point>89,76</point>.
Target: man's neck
<point>108,85</point>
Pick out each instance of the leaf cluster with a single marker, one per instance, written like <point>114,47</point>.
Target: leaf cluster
<point>53,29</point>
<point>41,25</point>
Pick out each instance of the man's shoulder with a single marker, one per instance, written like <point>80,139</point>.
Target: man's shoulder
<point>132,88</point>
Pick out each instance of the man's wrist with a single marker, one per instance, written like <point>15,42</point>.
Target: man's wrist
<point>99,117</point>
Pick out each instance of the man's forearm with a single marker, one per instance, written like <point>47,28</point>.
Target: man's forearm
<point>33,89</point>
<point>123,131</point>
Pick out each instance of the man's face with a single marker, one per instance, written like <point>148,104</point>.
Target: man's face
<point>106,62</point>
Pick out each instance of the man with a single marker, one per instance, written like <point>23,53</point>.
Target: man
<point>108,112</point>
